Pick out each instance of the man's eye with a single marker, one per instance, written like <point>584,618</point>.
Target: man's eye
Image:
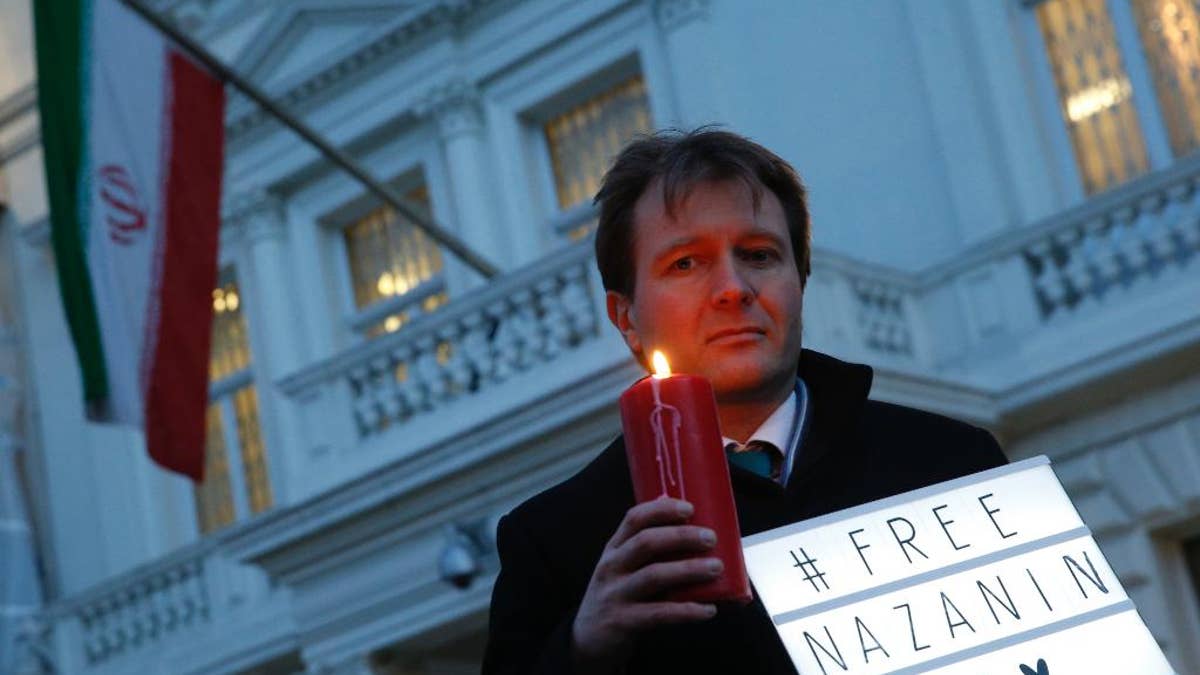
<point>761,255</point>
<point>683,264</point>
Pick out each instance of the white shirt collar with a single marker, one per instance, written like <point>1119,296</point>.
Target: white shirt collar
<point>776,429</point>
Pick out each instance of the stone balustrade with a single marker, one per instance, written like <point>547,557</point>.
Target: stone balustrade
<point>531,317</point>
<point>862,311</point>
<point>136,612</point>
<point>1112,244</point>
<point>883,316</point>
<point>168,604</point>
<point>1151,232</point>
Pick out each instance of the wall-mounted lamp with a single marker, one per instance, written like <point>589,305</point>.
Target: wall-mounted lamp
<point>470,548</point>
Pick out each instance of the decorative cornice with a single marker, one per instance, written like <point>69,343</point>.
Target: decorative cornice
<point>675,14</point>
<point>455,107</point>
<point>253,216</point>
<point>442,13</point>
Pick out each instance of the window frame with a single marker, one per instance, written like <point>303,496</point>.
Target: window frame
<point>560,221</point>
<point>1145,95</point>
<point>410,156</point>
<point>521,99</point>
<point>358,320</point>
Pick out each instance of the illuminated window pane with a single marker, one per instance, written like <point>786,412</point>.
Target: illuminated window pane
<point>216,504</point>
<point>230,347</point>
<point>1094,91</point>
<point>254,459</point>
<point>584,140</point>
<point>1170,31</point>
<point>394,322</point>
<point>214,496</point>
<point>388,255</point>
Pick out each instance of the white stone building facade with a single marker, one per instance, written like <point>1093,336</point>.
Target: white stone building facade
<point>1006,207</point>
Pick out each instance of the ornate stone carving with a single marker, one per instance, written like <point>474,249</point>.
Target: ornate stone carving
<point>438,14</point>
<point>881,317</point>
<point>254,215</point>
<point>536,320</point>
<point>455,107</point>
<point>1083,263</point>
<point>143,612</point>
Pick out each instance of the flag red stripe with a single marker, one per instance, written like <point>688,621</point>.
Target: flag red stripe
<point>177,387</point>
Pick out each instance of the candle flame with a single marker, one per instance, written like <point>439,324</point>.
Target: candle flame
<point>661,368</point>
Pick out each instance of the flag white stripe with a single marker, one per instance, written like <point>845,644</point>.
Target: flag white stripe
<point>125,129</point>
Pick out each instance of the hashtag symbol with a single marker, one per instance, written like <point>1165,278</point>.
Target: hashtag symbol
<point>809,567</point>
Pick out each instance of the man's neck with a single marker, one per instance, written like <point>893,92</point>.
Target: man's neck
<point>740,418</point>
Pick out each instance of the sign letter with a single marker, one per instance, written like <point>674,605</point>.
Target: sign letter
<point>912,534</point>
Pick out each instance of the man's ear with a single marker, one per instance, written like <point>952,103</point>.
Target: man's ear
<point>621,314</point>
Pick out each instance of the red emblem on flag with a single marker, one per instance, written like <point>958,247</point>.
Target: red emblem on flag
<point>123,212</point>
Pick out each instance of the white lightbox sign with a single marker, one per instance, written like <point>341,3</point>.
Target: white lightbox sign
<point>993,573</point>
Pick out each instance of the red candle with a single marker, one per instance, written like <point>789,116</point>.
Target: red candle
<point>673,442</point>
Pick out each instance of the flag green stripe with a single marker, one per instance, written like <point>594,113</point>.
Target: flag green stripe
<point>60,28</point>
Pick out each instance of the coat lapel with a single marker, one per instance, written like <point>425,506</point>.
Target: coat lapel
<point>837,393</point>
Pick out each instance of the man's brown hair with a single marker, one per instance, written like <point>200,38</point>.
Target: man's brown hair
<point>679,161</point>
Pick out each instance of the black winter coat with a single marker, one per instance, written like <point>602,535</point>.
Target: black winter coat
<point>855,451</point>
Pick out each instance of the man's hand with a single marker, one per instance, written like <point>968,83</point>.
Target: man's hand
<point>638,565</point>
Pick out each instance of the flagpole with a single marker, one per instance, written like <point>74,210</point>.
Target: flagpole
<point>334,155</point>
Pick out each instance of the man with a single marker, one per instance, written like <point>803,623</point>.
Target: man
<point>703,248</point>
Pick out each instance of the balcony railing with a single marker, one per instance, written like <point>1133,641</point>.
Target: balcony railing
<point>136,618</point>
<point>527,319</point>
<point>1155,231</point>
<point>1125,238</point>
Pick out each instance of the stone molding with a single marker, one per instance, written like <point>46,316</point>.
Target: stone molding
<point>254,216</point>
<point>675,14</point>
<point>440,14</point>
<point>455,106</point>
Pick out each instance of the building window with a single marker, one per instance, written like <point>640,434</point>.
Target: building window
<point>1170,32</point>
<point>583,141</point>
<point>395,268</point>
<point>236,482</point>
<point>1095,91</point>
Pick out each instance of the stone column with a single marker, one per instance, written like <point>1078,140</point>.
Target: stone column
<point>697,71</point>
<point>455,107</point>
<point>257,229</point>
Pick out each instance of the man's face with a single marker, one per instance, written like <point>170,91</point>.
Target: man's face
<point>716,289</point>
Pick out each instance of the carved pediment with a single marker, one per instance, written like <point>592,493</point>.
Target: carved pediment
<point>300,36</point>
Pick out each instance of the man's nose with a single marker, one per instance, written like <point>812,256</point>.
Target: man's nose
<point>730,285</point>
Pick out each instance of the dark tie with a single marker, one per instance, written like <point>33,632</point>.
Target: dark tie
<point>758,457</point>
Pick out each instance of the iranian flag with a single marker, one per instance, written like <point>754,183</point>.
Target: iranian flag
<point>132,131</point>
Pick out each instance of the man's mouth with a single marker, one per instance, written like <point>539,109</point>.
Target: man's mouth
<point>734,334</point>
